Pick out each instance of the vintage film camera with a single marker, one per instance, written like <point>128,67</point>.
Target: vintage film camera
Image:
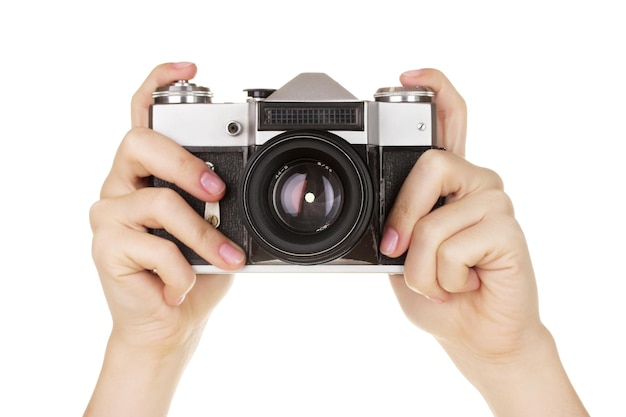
<point>311,171</point>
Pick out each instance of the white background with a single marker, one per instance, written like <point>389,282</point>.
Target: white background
<point>544,82</point>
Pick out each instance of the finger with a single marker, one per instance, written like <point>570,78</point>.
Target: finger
<point>163,208</point>
<point>144,152</point>
<point>186,225</point>
<point>162,75</point>
<point>451,107</point>
<point>435,174</point>
<point>150,253</point>
<point>137,253</point>
<point>487,254</point>
<point>430,235</point>
<point>191,229</point>
<point>434,238</point>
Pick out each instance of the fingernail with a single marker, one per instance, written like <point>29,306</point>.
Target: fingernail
<point>181,65</point>
<point>434,299</point>
<point>389,242</point>
<point>180,300</point>
<point>231,254</point>
<point>413,73</point>
<point>211,183</point>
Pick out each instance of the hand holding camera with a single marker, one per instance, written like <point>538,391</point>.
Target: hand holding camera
<point>311,173</point>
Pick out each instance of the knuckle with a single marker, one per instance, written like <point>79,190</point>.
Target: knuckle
<point>447,259</point>
<point>186,164</point>
<point>499,201</point>
<point>403,209</point>
<point>163,200</point>
<point>507,204</point>
<point>451,285</point>
<point>133,141</point>
<point>137,97</point>
<point>448,253</point>
<point>94,214</point>
<point>205,240</point>
<point>97,213</point>
<point>430,161</point>
<point>493,179</point>
<point>508,225</point>
<point>425,230</point>
<point>101,244</point>
<point>205,234</point>
<point>165,251</point>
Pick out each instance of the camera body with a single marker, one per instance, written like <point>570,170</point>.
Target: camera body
<point>311,171</point>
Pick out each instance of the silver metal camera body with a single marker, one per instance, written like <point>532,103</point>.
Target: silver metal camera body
<point>311,171</point>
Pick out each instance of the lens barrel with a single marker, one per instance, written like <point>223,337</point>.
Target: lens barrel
<point>307,197</point>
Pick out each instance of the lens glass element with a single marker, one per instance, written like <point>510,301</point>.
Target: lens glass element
<point>307,196</point>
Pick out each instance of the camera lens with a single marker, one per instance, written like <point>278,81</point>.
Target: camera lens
<point>307,196</point>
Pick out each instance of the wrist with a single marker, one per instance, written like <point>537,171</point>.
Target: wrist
<point>528,381</point>
<point>138,380</point>
<point>157,341</point>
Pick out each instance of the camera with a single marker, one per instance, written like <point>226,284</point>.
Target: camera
<point>311,171</point>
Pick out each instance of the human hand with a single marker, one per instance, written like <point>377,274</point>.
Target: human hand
<point>467,264</point>
<point>159,307</point>
<point>468,276</point>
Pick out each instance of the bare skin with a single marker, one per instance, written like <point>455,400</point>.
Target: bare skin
<point>468,276</point>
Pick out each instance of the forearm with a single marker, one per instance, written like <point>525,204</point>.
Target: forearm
<point>532,384</point>
<point>136,382</point>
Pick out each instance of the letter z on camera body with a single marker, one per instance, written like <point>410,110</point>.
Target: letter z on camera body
<point>311,171</point>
